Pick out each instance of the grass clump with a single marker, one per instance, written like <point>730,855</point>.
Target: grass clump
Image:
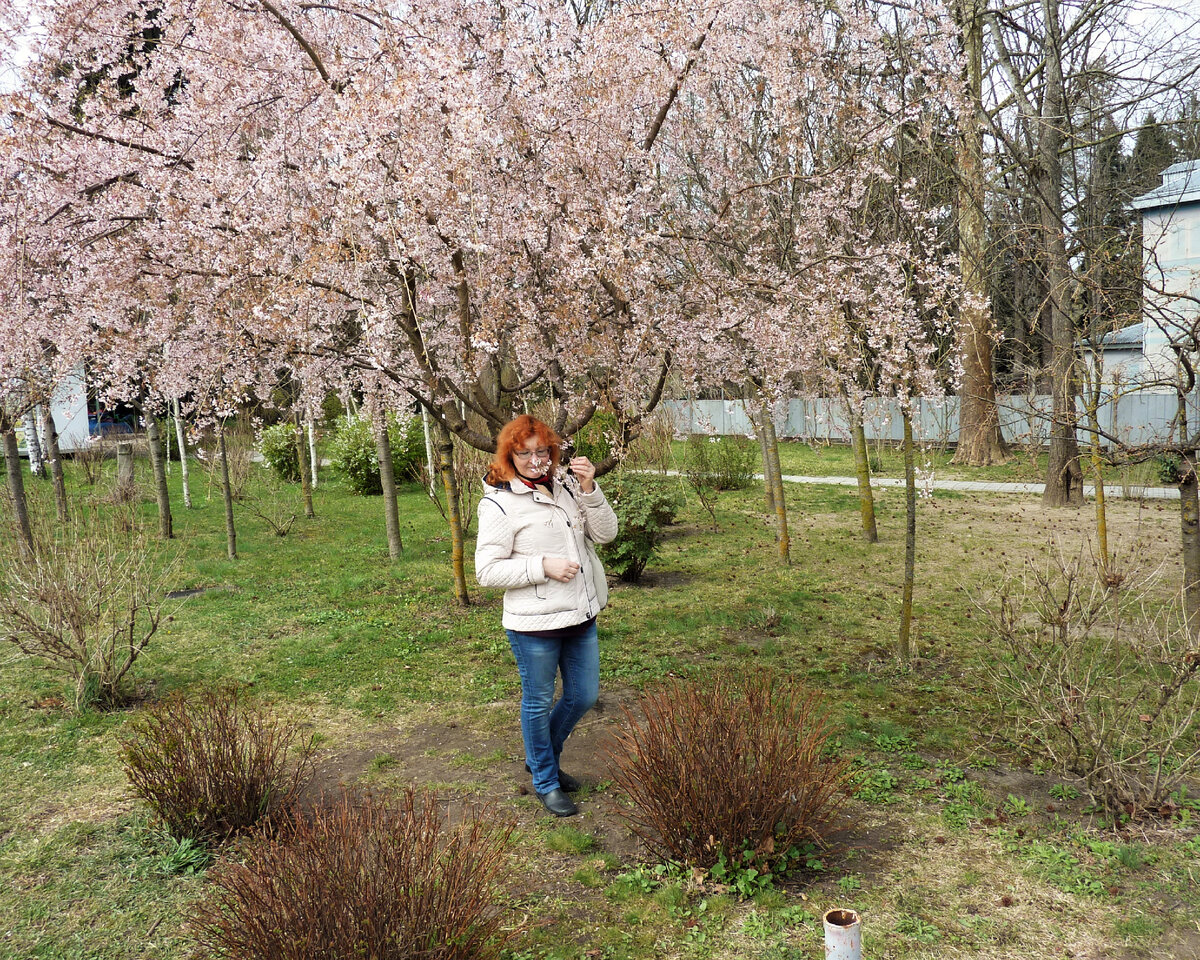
<point>211,766</point>
<point>776,798</point>
<point>374,877</point>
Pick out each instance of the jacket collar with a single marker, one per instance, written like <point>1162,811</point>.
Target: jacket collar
<point>518,488</point>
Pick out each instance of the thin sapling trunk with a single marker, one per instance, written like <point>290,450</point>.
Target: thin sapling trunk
<point>181,442</point>
<point>862,470</point>
<point>904,648</point>
<point>387,480</point>
<point>56,467</point>
<point>158,465</point>
<point>445,451</point>
<point>16,489</point>
<point>302,461</point>
<point>227,494</point>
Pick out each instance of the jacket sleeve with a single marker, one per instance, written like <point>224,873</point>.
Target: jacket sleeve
<point>599,520</point>
<point>495,566</point>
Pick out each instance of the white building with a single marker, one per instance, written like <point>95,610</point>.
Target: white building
<point>69,407</point>
<point>1141,354</point>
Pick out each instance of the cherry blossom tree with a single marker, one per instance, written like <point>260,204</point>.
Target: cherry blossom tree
<point>811,252</point>
<point>477,203</point>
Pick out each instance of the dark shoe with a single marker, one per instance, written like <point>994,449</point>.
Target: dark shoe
<point>565,780</point>
<point>558,803</point>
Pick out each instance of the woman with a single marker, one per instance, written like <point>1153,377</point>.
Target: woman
<point>536,536</point>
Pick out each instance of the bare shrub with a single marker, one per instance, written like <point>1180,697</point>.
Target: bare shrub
<point>212,765</point>
<point>271,506</point>
<point>239,447</point>
<point>1100,681</point>
<point>651,449</point>
<point>86,602</point>
<point>372,877</point>
<point>90,459</point>
<point>729,770</point>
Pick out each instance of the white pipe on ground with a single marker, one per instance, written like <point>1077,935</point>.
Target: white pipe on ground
<point>843,934</point>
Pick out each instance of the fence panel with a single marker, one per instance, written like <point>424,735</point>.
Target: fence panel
<point>1024,419</point>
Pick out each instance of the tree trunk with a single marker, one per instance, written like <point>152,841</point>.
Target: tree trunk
<point>904,648</point>
<point>980,442</point>
<point>302,462</point>
<point>1189,508</point>
<point>768,474</point>
<point>1064,477</point>
<point>445,450</point>
<point>314,462</point>
<point>862,469</point>
<point>1189,517</point>
<point>125,479</point>
<point>56,468</point>
<point>181,442</point>
<point>16,490</point>
<point>33,445</point>
<point>429,453</point>
<point>1101,508</point>
<point>387,480</point>
<point>157,464</point>
<point>776,480</point>
<point>227,493</point>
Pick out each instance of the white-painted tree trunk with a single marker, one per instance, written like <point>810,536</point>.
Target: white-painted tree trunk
<point>183,457</point>
<point>33,444</point>
<point>312,452</point>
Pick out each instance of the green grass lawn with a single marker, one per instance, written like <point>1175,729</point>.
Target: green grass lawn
<point>954,851</point>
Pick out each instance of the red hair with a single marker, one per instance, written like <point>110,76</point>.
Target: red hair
<point>513,436</point>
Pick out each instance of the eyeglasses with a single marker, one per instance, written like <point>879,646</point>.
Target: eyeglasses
<point>542,453</point>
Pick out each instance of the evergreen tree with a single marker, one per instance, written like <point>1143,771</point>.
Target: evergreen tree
<point>1153,152</point>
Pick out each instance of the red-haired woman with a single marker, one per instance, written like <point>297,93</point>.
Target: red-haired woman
<point>536,537</point>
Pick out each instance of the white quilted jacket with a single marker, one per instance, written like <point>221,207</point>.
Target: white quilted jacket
<point>517,528</point>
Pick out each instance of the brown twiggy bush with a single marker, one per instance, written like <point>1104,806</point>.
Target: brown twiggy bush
<point>726,767</point>
<point>212,765</point>
<point>86,602</point>
<point>376,878</point>
<point>1100,680</point>
<point>239,448</point>
<point>273,506</point>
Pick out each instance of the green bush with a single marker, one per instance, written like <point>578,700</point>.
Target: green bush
<point>644,505</point>
<point>1169,467</point>
<point>722,463</point>
<point>278,448</point>
<point>352,452</point>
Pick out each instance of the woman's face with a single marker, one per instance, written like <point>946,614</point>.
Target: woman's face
<point>531,460</point>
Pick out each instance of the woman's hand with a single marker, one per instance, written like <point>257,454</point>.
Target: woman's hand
<point>585,473</point>
<point>560,568</point>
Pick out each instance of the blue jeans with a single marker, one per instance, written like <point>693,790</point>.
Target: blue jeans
<point>545,725</point>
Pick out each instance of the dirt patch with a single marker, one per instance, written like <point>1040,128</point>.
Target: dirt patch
<point>463,762</point>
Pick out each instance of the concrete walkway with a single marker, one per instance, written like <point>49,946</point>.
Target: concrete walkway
<point>1114,491</point>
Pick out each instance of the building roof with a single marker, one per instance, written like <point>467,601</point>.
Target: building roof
<point>1126,339</point>
<point>1180,184</point>
<point>1133,335</point>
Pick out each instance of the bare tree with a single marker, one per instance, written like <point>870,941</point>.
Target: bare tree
<point>980,442</point>
<point>1058,66</point>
